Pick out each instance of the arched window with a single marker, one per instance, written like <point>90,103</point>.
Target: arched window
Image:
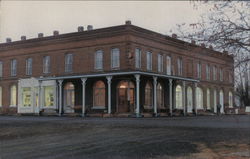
<point>99,94</point>
<point>208,99</point>
<point>69,91</point>
<point>1,96</point>
<point>189,100</point>
<point>222,101</point>
<point>215,101</point>
<point>13,95</point>
<point>148,95</point>
<point>230,98</point>
<point>178,97</point>
<point>199,98</point>
<point>160,96</point>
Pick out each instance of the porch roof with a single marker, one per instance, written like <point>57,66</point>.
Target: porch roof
<point>117,74</point>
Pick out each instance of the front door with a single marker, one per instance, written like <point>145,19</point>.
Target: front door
<point>69,98</point>
<point>125,97</point>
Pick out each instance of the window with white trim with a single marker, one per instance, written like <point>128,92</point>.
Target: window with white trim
<point>208,72</point>
<point>137,58</point>
<point>26,96</point>
<point>199,98</point>
<point>178,97</point>
<point>168,65</point>
<point>1,69</point>
<point>230,98</point>
<point>49,96</point>
<point>99,60</point>
<point>29,66</point>
<point>221,74</point>
<point>160,63</point>
<point>115,58</point>
<point>179,65</point>
<point>214,73</point>
<point>149,61</point>
<point>68,63</point>
<point>13,95</point>
<point>13,67</point>
<point>46,64</point>
<point>199,70</point>
<point>208,99</point>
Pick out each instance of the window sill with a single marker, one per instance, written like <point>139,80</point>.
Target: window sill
<point>98,107</point>
<point>148,107</point>
<point>115,68</point>
<point>12,106</point>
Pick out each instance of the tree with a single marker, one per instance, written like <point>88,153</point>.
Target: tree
<point>224,26</point>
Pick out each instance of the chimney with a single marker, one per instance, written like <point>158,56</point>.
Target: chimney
<point>211,47</point>
<point>193,42</point>
<point>8,40</point>
<point>203,45</point>
<point>90,27</point>
<point>174,36</point>
<point>23,38</point>
<point>80,29</point>
<point>128,22</point>
<point>40,35</point>
<point>56,32</point>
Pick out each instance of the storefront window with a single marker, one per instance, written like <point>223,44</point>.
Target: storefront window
<point>48,96</point>
<point>26,97</point>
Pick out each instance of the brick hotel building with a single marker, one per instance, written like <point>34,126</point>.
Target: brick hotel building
<point>116,71</point>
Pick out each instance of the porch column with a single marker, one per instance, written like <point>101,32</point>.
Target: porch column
<point>137,77</point>
<point>195,101</point>
<point>170,96</point>
<point>83,96</point>
<point>39,96</point>
<point>109,78</point>
<point>155,95</point>
<point>184,97</point>
<point>60,97</point>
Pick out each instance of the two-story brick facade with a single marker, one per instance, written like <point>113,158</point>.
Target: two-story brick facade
<point>124,70</point>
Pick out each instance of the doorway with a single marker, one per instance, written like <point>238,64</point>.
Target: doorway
<point>125,97</point>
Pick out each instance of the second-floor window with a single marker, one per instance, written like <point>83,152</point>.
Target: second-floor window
<point>149,61</point>
<point>214,73</point>
<point>179,65</point>
<point>199,70</point>
<point>208,72</point>
<point>99,60</point>
<point>168,65</point>
<point>221,74</point>
<point>68,63</point>
<point>13,66</point>
<point>138,58</point>
<point>115,58</point>
<point>1,69</point>
<point>46,64</point>
<point>29,66</point>
<point>160,63</point>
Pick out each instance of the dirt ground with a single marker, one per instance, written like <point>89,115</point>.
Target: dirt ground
<point>203,137</point>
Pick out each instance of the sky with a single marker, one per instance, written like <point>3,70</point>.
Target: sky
<point>29,18</point>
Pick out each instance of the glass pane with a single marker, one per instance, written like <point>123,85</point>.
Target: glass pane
<point>26,97</point>
<point>49,96</point>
